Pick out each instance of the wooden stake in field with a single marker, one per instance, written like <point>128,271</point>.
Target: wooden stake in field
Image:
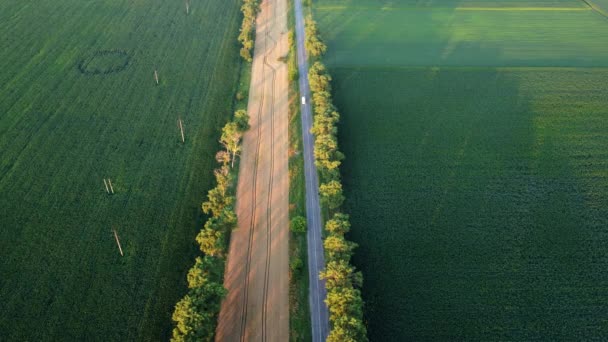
<point>111,187</point>
<point>118,242</point>
<point>187,7</point>
<point>106,184</point>
<point>156,76</point>
<point>181,128</point>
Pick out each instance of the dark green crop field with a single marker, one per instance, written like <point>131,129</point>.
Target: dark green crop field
<point>476,170</point>
<point>78,104</point>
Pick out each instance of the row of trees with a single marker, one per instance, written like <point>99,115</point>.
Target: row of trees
<point>314,44</point>
<point>250,9</point>
<point>195,315</point>
<point>343,283</point>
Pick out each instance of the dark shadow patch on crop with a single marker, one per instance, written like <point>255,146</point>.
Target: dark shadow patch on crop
<point>104,62</point>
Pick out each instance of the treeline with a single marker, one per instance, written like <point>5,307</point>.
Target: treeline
<point>195,315</point>
<point>343,282</point>
<point>250,9</point>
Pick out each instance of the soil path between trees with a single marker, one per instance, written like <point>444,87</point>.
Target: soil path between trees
<point>257,272</point>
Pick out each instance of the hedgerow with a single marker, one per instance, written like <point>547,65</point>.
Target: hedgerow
<point>343,283</point>
<point>250,9</point>
<point>195,315</point>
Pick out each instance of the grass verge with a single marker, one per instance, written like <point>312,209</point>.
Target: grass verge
<point>299,311</point>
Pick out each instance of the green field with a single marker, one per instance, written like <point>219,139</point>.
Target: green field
<point>477,181</point>
<point>79,104</point>
<point>456,33</point>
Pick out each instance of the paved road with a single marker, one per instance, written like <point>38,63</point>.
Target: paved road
<point>319,315</point>
<point>256,307</point>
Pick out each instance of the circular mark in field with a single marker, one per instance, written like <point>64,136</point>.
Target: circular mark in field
<point>104,62</point>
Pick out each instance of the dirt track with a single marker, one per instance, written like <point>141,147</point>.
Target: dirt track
<point>257,305</point>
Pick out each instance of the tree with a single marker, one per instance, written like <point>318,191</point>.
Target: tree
<point>246,54</point>
<point>338,248</point>
<point>231,139</point>
<point>223,157</point>
<point>242,120</point>
<point>298,225</point>
<point>200,273</point>
<point>217,200</point>
<point>338,273</point>
<point>223,179</point>
<point>338,224</point>
<point>323,125</point>
<point>195,314</point>
<point>188,320</point>
<point>331,194</point>
<point>347,329</point>
<point>228,218</point>
<point>314,45</point>
<point>322,101</point>
<point>211,241</point>
<point>296,264</point>
<point>344,301</point>
<point>318,78</point>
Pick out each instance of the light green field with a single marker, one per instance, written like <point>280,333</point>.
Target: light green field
<point>463,33</point>
<point>63,129</point>
<point>475,135</point>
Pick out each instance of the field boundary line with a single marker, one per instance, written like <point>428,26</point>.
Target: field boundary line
<point>595,8</point>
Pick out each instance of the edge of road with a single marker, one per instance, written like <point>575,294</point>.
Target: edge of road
<point>299,307</point>
<point>319,313</point>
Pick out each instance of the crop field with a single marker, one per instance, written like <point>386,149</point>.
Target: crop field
<point>80,104</point>
<point>457,33</point>
<point>476,180</point>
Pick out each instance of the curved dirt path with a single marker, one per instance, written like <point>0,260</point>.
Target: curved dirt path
<point>257,272</point>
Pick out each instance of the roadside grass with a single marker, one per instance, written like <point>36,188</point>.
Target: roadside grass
<point>62,131</point>
<point>241,98</point>
<point>299,315</point>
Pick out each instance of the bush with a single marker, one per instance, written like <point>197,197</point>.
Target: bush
<point>296,264</point>
<point>298,225</point>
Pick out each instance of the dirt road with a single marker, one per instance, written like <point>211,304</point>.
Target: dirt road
<point>257,274</point>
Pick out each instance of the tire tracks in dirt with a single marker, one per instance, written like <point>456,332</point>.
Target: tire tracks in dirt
<point>257,267</point>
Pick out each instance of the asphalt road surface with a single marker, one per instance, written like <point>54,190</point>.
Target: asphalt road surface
<point>319,315</point>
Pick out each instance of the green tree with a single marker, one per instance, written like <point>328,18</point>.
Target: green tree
<point>339,224</point>
<point>347,329</point>
<point>241,118</point>
<point>344,301</point>
<point>338,248</point>
<point>211,241</point>
<point>331,194</point>
<point>205,268</point>
<point>223,179</point>
<point>298,225</point>
<point>231,139</point>
<point>195,315</point>
<point>313,42</point>
<point>339,273</point>
<point>318,78</point>
<point>188,320</point>
<point>217,200</point>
